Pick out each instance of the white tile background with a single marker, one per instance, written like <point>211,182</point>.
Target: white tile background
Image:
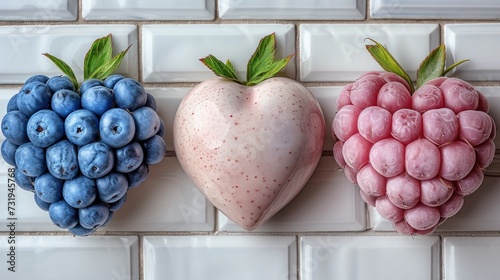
<point>167,229</point>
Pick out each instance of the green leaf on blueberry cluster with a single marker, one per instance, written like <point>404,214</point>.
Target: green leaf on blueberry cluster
<point>261,66</point>
<point>99,61</point>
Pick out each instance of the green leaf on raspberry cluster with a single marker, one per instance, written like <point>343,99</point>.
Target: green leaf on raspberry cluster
<point>433,66</point>
<point>261,66</point>
<point>388,62</point>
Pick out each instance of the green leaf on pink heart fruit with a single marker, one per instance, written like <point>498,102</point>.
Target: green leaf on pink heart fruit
<point>64,67</point>
<point>388,62</point>
<point>109,67</point>
<point>261,66</point>
<point>219,68</point>
<point>99,54</point>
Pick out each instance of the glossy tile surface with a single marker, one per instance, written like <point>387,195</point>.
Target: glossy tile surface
<point>471,258</point>
<point>370,257</point>
<point>168,99</point>
<point>475,42</point>
<point>171,52</point>
<point>167,201</point>
<point>220,257</point>
<point>35,10</point>
<point>336,52</point>
<point>328,202</point>
<point>148,10</point>
<point>25,45</point>
<point>435,9</point>
<point>297,9</point>
<point>67,257</point>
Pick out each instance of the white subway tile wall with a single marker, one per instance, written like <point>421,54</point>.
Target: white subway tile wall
<point>167,229</point>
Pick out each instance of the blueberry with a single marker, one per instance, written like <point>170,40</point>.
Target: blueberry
<point>112,187</point>
<point>129,94</point>
<point>49,188</point>
<point>81,127</point>
<point>45,128</point>
<point>78,230</point>
<point>147,123</point>
<point>110,217</point>
<point>98,100</point>
<point>79,192</point>
<point>95,159</point>
<point>9,152</point>
<point>94,215</point>
<point>24,182</point>
<point>14,125</point>
<point>34,97</point>
<point>41,204</point>
<point>37,78</point>
<point>63,215</point>
<point>60,82</point>
<point>111,81</point>
<point>12,104</point>
<point>161,130</point>
<point>129,157</point>
<point>138,176</point>
<point>30,159</point>
<point>115,206</point>
<point>151,102</point>
<point>154,149</point>
<point>62,160</point>
<point>64,102</point>
<point>89,84</point>
<point>117,127</point>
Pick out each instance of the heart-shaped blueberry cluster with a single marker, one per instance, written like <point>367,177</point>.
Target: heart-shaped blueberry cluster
<point>81,147</point>
<point>80,152</point>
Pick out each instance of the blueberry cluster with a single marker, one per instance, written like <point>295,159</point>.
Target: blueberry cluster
<point>80,151</point>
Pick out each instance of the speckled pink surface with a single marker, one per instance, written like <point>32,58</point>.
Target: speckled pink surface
<point>250,150</point>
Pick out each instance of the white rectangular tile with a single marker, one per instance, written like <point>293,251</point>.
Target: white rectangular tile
<point>167,201</point>
<point>25,45</point>
<point>471,258</point>
<point>327,98</point>
<point>370,257</point>
<point>435,9</point>
<point>476,42</point>
<point>148,10</point>
<point>67,257</point>
<point>220,257</point>
<point>168,99</point>
<point>171,53</point>
<point>328,202</point>
<point>36,10</point>
<point>297,9</point>
<point>336,52</point>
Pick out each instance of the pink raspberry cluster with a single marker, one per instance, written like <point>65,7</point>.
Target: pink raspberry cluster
<point>414,157</point>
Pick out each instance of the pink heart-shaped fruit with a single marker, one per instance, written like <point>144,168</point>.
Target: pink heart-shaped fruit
<point>250,150</point>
